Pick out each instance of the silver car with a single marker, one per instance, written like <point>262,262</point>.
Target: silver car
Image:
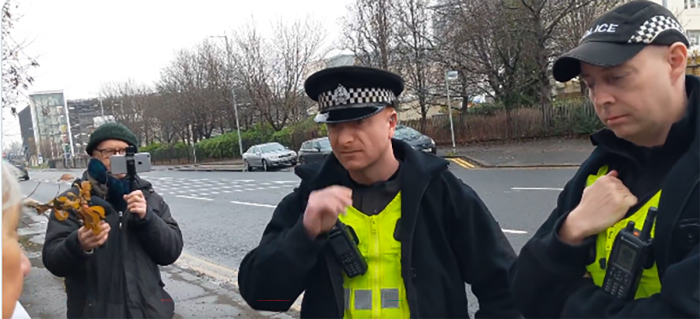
<point>269,155</point>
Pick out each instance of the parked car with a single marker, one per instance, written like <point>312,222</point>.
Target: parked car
<point>314,150</point>
<point>269,155</point>
<point>416,139</point>
<point>23,174</point>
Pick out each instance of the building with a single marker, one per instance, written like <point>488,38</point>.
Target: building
<point>27,133</point>
<point>688,12</point>
<point>85,115</point>
<point>51,125</point>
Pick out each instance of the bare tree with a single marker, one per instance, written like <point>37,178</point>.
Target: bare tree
<point>13,148</point>
<point>16,63</point>
<point>481,40</point>
<point>413,52</point>
<point>273,72</point>
<point>543,19</point>
<point>369,32</point>
<point>297,44</point>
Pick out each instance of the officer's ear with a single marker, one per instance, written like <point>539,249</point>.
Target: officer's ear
<point>393,120</point>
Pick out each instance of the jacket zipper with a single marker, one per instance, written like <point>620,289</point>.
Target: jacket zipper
<point>412,295</point>
<point>335,288</point>
<point>675,219</point>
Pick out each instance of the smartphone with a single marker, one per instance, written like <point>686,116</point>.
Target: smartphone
<point>142,161</point>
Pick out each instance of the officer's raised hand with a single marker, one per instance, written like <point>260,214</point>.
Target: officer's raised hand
<point>323,208</point>
<point>602,205</point>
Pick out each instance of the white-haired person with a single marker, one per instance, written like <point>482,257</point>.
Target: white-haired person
<point>15,265</point>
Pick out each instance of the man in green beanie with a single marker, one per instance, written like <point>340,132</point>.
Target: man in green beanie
<point>115,274</point>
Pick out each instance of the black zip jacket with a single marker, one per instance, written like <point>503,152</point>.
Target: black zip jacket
<point>547,278</point>
<point>448,238</point>
<point>121,278</point>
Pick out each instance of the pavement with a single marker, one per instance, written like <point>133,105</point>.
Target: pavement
<point>556,152</point>
<point>223,214</point>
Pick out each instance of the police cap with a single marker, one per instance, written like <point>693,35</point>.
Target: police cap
<point>351,93</point>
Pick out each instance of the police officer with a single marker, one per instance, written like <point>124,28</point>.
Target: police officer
<point>633,61</point>
<point>421,230</point>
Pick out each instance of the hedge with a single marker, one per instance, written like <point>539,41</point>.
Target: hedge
<point>225,146</point>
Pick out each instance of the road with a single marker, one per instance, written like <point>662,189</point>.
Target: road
<point>223,214</point>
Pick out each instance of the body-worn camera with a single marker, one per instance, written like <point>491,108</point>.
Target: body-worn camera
<point>344,243</point>
<point>631,254</point>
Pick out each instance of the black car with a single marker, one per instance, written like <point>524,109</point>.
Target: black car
<point>416,139</point>
<point>314,150</point>
<point>23,173</point>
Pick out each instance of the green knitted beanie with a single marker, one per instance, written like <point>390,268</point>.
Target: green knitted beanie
<point>110,131</point>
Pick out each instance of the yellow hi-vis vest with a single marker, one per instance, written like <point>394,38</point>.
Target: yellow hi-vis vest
<point>649,283</point>
<point>380,292</point>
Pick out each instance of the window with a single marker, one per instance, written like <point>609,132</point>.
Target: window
<point>694,37</point>
<point>272,148</point>
<point>685,4</point>
<point>406,133</point>
<point>324,143</point>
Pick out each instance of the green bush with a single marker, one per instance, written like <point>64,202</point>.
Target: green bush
<point>225,146</point>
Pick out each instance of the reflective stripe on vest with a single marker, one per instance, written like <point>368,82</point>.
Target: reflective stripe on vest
<point>650,283</point>
<point>380,292</point>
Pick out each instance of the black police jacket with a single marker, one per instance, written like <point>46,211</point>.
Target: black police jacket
<point>121,278</point>
<point>448,238</point>
<point>547,279</point>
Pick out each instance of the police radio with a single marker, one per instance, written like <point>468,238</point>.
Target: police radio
<point>631,254</point>
<point>344,244</point>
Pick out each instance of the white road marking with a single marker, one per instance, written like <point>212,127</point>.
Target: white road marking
<point>246,180</point>
<point>192,197</point>
<point>536,189</point>
<point>252,204</point>
<point>285,182</point>
<point>511,231</point>
<point>215,193</point>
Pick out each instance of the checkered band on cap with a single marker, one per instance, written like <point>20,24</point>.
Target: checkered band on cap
<point>343,96</point>
<point>648,31</point>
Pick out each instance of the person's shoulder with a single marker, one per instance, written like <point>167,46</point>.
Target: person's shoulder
<point>451,184</point>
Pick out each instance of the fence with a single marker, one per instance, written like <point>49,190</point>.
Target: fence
<point>571,117</point>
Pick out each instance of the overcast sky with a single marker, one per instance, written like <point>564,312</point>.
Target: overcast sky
<point>81,44</point>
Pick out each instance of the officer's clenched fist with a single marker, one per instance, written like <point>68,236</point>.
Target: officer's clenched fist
<point>323,208</point>
<point>603,204</point>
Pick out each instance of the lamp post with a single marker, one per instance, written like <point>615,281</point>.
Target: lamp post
<point>450,75</point>
<point>233,92</point>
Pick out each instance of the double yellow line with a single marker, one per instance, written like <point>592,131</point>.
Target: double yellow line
<point>462,163</point>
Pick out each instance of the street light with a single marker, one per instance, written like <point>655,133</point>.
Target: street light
<point>450,75</point>
<point>233,91</point>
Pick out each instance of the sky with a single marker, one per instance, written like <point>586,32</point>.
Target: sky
<point>81,44</point>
